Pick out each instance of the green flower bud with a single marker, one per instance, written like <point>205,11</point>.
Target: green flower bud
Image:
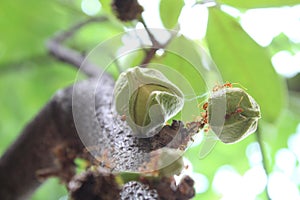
<point>147,99</point>
<point>232,114</point>
<point>164,162</point>
<point>170,169</point>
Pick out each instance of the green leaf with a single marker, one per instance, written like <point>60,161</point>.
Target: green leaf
<point>241,60</point>
<point>182,64</point>
<point>27,26</point>
<point>169,12</point>
<point>51,189</point>
<point>106,6</point>
<point>182,56</point>
<point>259,3</point>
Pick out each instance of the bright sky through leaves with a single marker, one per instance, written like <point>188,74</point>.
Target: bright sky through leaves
<point>263,25</point>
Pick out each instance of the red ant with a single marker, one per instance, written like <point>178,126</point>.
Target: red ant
<point>123,117</point>
<point>238,110</point>
<point>186,167</point>
<point>204,120</point>
<point>204,115</point>
<point>225,85</point>
<point>205,106</point>
<point>105,161</point>
<point>228,85</point>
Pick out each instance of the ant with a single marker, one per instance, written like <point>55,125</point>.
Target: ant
<point>205,114</point>
<point>105,161</point>
<point>238,110</point>
<point>201,121</point>
<point>225,85</point>
<point>204,117</point>
<point>123,117</point>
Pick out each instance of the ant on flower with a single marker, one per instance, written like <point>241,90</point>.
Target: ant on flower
<point>204,115</point>
<point>225,85</point>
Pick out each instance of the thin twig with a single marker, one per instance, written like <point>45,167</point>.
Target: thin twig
<point>72,30</point>
<point>14,65</point>
<point>203,2</point>
<point>71,56</point>
<point>264,158</point>
<point>149,55</point>
<point>155,45</point>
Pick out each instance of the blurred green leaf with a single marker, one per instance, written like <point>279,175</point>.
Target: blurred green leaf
<point>222,154</point>
<point>28,25</point>
<point>102,41</point>
<point>169,12</point>
<point>182,64</point>
<point>276,136</point>
<point>94,34</point>
<point>182,55</point>
<point>24,92</point>
<point>132,59</point>
<point>81,165</point>
<point>52,184</point>
<point>241,60</point>
<point>259,3</point>
<point>106,6</point>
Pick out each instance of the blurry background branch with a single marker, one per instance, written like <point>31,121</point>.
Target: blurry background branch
<point>76,59</point>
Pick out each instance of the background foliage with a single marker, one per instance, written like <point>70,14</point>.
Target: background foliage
<point>29,77</point>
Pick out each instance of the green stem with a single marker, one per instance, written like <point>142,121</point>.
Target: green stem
<point>264,158</point>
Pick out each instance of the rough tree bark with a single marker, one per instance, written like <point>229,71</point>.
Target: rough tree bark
<point>33,150</point>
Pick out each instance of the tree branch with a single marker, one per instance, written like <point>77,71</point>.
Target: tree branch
<point>33,150</point>
<point>155,45</point>
<point>71,56</point>
<point>50,142</point>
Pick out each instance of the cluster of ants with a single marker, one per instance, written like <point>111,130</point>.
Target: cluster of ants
<point>203,121</point>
